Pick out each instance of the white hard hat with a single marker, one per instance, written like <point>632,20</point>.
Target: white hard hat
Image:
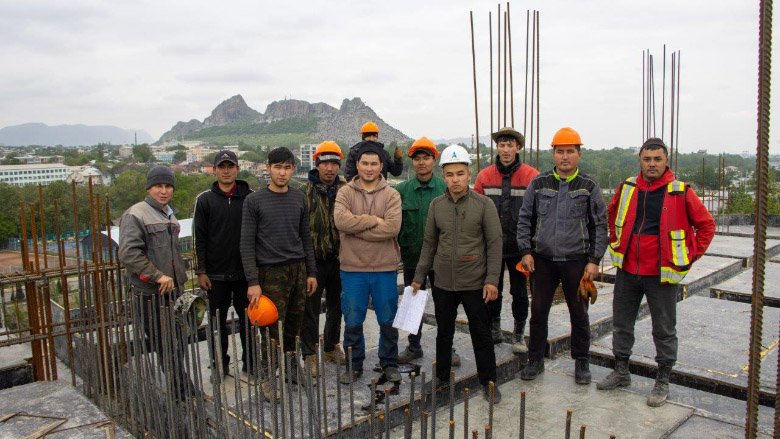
<point>454,154</point>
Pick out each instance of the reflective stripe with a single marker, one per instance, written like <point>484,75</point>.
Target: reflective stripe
<point>518,192</point>
<point>492,191</point>
<point>679,250</point>
<point>625,198</point>
<point>675,186</point>
<point>617,258</point>
<point>672,276</point>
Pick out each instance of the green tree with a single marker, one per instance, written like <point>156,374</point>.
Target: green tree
<point>11,159</point>
<point>179,156</point>
<point>128,189</point>
<point>143,153</point>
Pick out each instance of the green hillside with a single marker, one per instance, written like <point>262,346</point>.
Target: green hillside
<point>287,132</point>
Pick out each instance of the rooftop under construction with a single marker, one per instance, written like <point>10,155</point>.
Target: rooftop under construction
<point>74,363</point>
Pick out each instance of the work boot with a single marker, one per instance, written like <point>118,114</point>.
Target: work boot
<point>268,393</point>
<point>660,391</point>
<point>347,378</point>
<point>519,347</point>
<point>311,360</point>
<point>620,377</point>
<point>495,330</point>
<point>581,371</point>
<point>409,354</point>
<point>392,375</point>
<point>336,356</point>
<point>496,393</point>
<point>455,362</point>
<point>533,369</point>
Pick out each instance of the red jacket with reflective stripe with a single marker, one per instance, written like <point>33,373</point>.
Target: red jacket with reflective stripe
<point>686,230</point>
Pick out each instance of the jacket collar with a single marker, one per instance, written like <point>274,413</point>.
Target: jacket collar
<point>508,169</point>
<point>242,189</point>
<point>166,210</point>
<point>355,184</point>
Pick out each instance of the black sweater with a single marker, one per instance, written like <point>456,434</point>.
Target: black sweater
<point>216,228</point>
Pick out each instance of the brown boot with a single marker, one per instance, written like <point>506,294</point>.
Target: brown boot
<point>336,356</point>
<point>311,360</point>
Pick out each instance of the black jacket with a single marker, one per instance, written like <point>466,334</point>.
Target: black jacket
<point>217,232</point>
<point>389,163</point>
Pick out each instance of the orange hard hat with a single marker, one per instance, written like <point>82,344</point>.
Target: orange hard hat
<point>521,268</point>
<point>566,136</point>
<point>262,312</point>
<point>423,143</point>
<point>369,127</point>
<point>327,150</point>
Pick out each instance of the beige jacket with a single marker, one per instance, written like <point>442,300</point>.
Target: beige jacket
<point>368,224</point>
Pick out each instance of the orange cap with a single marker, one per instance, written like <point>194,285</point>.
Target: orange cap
<point>263,312</point>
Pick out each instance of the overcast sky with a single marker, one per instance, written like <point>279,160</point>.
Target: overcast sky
<point>149,64</point>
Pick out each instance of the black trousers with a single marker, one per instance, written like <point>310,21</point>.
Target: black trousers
<point>545,280</point>
<point>516,288</point>
<point>221,296</point>
<point>329,281</point>
<point>414,339</point>
<point>662,301</point>
<point>446,304</point>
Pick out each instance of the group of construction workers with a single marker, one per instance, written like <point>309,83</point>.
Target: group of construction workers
<point>344,238</point>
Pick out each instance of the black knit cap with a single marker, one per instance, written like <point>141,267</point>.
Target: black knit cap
<point>160,174</point>
<point>370,146</point>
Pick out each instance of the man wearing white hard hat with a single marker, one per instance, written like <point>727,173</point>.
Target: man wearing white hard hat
<point>462,245</point>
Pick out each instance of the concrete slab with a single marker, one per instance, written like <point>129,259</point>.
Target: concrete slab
<point>707,271</point>
<point>746,231</point>
<point>739,247</point>
<point>740,287</point>
<point>713,339</point>
<point>49,404</point>
<point>622,413</point>
<point>696,425</point>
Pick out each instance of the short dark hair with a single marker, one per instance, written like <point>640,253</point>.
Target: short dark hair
<point>652,144</point>
<point>281,155</point>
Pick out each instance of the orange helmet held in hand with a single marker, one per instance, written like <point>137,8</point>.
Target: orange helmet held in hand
<point>263,312</point>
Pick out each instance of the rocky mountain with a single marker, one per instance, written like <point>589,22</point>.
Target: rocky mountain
<point>234,119</point>
<point>69,135</point>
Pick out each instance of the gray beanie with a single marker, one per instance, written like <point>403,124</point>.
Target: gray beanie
<point>160,174</point>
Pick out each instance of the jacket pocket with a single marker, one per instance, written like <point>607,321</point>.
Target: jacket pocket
<point>544,198</point>
<point>578,204</point>
<point>680,255</point>
<point>158,235</point>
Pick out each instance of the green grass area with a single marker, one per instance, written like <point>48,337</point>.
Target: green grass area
<point>289,140</point>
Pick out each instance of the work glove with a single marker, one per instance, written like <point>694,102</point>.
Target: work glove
<point>398,154</point>
<point>587,289</point>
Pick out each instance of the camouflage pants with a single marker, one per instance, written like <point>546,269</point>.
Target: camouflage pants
<point>285,285</point>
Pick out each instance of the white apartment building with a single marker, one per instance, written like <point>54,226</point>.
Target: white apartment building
<point>307,155</point>
<point>20,175</point>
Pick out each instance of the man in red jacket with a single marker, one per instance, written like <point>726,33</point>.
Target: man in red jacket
<point>658,227</point>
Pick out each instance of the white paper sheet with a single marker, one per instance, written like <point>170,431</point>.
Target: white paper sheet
<point>410,311</point>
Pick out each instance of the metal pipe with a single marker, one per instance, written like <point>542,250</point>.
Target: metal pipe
<point>511,77</point>
<point>474,74</point>
<point>490,37</point>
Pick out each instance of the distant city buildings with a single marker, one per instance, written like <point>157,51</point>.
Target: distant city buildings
<point>306,154</point>
<point>20,175</point>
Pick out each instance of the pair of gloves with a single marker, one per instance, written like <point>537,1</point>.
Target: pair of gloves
<point>586,291</point>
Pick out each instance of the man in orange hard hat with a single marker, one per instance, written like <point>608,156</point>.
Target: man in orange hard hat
<point>369,134</point>
<point>562,235</point>
<point>324,182</point>
<point>416,196</point>
<point>505,183</point>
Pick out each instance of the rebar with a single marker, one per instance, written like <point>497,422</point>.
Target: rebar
<point>567,435</point>
<point>474,74</point>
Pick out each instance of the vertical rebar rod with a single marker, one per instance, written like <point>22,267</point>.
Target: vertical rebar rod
<point>511,76</point>
<point>505,70</point>
<point>490,37</point>
<point>466,413</point>
<point>677,115</point>
<point>582,431</point>
<point>538,88</point>
<point>529,135</point>
<point>672,109</point>
<point>525,87</point>
<point>759,242</point>
<point>474,74</point>
<point>644,67</point>
<point>567,435</point>
<point>498,67</point>
<point>663,97</point>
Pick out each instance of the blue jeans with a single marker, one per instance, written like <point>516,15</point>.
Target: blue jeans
<point>356,287</point>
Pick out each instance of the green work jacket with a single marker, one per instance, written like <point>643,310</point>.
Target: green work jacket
<point>415,200</point>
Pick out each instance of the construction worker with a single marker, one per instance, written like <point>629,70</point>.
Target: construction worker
<point>505,183</point>
<point>368,217</point>
<point>369,133</point>
<point>658,227</point>
<point>155,270</point>
<point>416,195</point>
<point>562,235</point>
<point>217,232</point>
<point>462,245</point>
<point>277,252</point>
<point>324,182</point>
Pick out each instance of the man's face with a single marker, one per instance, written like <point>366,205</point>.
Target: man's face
<point>226,173</point>
<point>507,151</point>
<point>423,165</point>
<point>161,193</point>
<point>457,177</point>
<point>369,167</point>
<point>653,163</point>
<point>372,137</point>
<point>566,158</point>
<point>280,173</point>
<point>328,171</point>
